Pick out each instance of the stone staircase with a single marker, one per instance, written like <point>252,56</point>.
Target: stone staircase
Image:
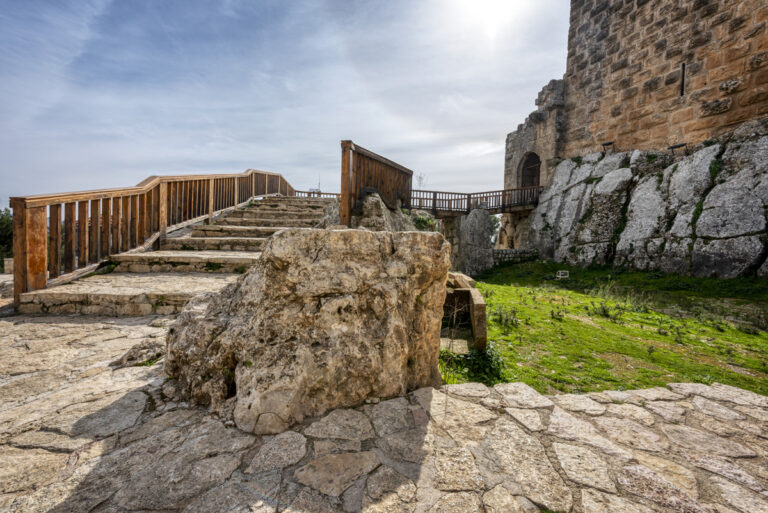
<point>202,258</point>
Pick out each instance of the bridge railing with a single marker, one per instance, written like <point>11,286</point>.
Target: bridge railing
<point>363,171</point>
<point>456,202</point>
<point>48,249</point>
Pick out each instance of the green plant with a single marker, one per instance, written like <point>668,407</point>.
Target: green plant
<point>6,236</point>
<point>715,167</point>
<point>424,224</point>
<point>651,158</point>
<point>212,266</point>
<point>577,160</point>
<point>485,367</point>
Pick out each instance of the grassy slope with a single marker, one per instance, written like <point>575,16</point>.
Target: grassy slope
<point>605,329</point>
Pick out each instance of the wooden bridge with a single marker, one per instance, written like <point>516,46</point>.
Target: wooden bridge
<point>364,172</point>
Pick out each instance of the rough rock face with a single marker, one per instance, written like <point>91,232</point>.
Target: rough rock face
<point>324,320</point>
<point>78,435</point>
<point>475,251</point>
<point>377,217</point>
<point>704,214</point>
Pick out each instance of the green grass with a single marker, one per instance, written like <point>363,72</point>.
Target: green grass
<point>606,329</point>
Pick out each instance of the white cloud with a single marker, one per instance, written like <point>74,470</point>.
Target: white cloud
<point>97,95</point>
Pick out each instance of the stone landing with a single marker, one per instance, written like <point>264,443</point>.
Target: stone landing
<point>78,435</point>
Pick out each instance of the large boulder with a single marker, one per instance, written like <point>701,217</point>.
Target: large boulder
<point>325,319</point>
<point>376,216</point>
<point>475,249</point>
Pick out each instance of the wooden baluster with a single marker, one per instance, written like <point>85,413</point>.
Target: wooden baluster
<point>179,206</point>
<point>54,244</point>
<point>105,203</point>
<point>144,218</point>
<point>134,221</point>
<point>115,246</point>
<point>30,234</point>
<point>82,234</point>
<point>93,243</point>
<point>125,225</point>
<point>69,237</point>
<point>154,207</point>
<point>210,200</point>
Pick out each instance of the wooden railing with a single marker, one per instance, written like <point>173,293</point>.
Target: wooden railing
<point>317,194</point>
<point>103,222</point>
<point>458,203</point>
<point>363,172</point>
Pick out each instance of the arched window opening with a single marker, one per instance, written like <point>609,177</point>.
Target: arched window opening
<point>530,171</point>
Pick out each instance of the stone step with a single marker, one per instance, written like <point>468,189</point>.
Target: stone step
<point>273,214</point>
<point>124,294</point>
<point>287,207</point>
<point>288,223</point>
<point>185,261</point>
<point>213,244</point>
<point>219,230</point>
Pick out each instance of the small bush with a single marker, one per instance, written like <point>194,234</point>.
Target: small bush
<point>424,224</point>
<point>485,367</point>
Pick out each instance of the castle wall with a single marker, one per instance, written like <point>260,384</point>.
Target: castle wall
<point>625,80</point>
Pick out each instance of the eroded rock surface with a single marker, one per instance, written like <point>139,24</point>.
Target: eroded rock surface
<point>324,320</point>
<point>704,214</point>
<point>79,435</point>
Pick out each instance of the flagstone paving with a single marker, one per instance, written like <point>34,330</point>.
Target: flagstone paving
<point>86,427</point>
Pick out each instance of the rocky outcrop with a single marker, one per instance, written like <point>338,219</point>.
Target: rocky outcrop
<point>324,320</point>
<point>79,435</point>
<point>377,217</point>
<point>704,214</point>
<point>475,251</point>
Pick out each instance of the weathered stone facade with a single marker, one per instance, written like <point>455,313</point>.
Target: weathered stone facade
<point>702,214</point>
<point>647,75</point>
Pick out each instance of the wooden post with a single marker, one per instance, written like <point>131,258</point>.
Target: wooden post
<point>345,213</point>
<point>469,203</point>
<point>162,211</point>
<point>30,236</point>
<point>210,200</point>
<point>54,246</point>
<point>434,203</point>
<point>125,224</point>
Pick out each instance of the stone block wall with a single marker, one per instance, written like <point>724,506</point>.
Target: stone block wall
<point>649,74</point>
<point>514,256</point>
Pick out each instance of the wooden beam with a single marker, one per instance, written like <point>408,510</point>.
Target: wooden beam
<point>345,207</point>
<point>95,233</point>
<point>115,246</point>
<point>105,204</point>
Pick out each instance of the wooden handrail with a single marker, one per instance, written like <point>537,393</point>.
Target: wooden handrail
<point>362,172</point>
<point>103,222</point>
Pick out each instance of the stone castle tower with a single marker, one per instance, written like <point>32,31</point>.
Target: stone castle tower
<point>643,74</point>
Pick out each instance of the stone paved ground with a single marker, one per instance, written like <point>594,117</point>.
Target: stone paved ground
<point>79,435</point>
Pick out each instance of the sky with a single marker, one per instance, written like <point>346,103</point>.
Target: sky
<point>103,93</point>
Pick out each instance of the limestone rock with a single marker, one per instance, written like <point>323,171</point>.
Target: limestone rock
<point>475,252</point>
<point>456,470</point>
<point>342,424</point>
<point>462,502</point>
<point>377,217</point>
<point>696,440</point>
<point>741,499</point>
<point>501,500</point>
<point>531,419</point>
<point>523,458</point>
<point>333,473</point>
<point>566,426</point>
<point>282,451</point>
<point>630,433</point>
<point>584,466</point>
<point>391,416</point>
<point>598,502</point>
<point>579,403</point>
<point>324,320</point>
<point>643,482</point>
<point>520,395</point>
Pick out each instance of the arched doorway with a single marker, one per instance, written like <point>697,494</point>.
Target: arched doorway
<point>530,170</point>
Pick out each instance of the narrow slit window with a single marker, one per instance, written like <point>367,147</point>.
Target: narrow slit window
<point>682,80</point>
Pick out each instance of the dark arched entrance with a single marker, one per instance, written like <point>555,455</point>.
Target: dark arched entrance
<point>529,172</point>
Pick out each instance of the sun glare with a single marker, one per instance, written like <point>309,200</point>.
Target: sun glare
<point>488,16</point>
